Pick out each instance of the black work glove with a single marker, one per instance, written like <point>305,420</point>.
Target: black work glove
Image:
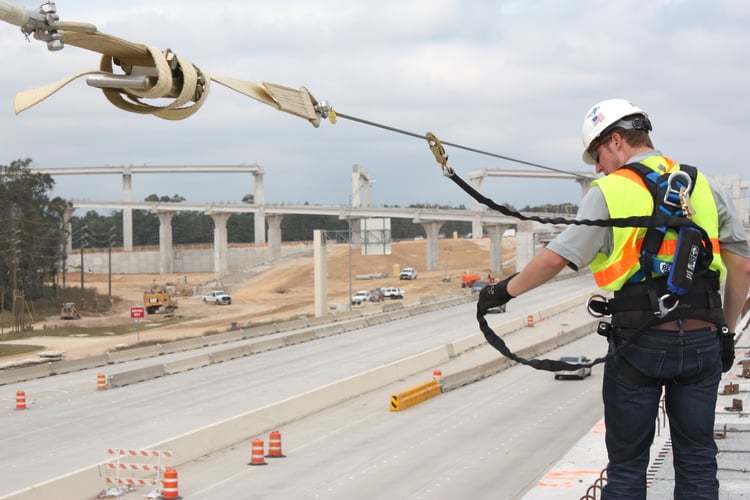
<point>727,349</point>
<point>494,295</point>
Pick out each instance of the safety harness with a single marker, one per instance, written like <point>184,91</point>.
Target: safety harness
<point>667,298</point>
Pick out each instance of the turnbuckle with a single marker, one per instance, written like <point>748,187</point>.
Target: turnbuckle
<point>439,151</point>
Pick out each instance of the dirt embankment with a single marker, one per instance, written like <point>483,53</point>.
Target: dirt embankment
<point>281,292</point>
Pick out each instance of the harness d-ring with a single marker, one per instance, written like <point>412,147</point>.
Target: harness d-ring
<point>591,311</point>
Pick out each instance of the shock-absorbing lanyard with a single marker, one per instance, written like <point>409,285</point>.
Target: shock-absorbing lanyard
<point>655,220</point>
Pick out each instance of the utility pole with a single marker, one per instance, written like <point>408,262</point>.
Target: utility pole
<point>111,244</point>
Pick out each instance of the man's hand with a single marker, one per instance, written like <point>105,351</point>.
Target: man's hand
<point>494,295</point>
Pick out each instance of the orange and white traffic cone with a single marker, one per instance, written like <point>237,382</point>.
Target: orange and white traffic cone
<point>170,484</point>
<point>257,457</point>
<point>530,320</point>
<point>274,445</point>
<point>101,382</point>
<point>20,400</point>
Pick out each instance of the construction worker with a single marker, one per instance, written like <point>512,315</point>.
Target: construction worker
<point>679,351</point>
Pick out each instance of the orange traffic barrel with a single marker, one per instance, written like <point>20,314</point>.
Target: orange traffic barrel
<point>20,400</point>
<point>530,320</point>
<point>274,445</point>
<point>257,457</point>
<point>101,382</point>
<point>170,484</point>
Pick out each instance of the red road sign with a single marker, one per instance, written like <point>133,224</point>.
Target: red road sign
<point>137,312</point>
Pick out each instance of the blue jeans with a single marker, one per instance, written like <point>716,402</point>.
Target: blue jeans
<point>630,412</point>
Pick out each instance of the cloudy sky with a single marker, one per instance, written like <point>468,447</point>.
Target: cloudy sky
<point>512,77</point>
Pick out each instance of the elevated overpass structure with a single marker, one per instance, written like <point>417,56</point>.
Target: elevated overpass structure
<point>271,215</point>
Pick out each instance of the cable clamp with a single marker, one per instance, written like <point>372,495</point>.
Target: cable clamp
<point>439,151</point>
<point>325,111</point>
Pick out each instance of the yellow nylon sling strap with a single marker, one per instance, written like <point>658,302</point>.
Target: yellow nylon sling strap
<point>194,87</point>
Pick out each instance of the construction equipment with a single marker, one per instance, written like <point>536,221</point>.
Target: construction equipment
<point>468,279</point>
<point>159,300</point>
<point>69,311</point>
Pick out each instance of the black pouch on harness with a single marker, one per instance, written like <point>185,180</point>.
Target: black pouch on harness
<point>689,250</point>
<point>727,349</point>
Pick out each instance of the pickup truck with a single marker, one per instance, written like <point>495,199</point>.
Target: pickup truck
<point>408,273</point>
<point>218,297</point>
<point>360,296</point>
<point>393,293</point>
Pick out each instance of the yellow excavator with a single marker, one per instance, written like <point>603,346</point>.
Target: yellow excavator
<point>69,311</point>
<point>159,300</point>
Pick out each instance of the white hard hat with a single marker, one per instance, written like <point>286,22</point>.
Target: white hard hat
<point>604,115</point>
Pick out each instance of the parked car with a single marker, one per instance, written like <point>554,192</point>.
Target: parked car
<point>408,273</point>
<point>580,373</point>
<point>392,292</point>
<point>376,295</point>
<point>360,296</point>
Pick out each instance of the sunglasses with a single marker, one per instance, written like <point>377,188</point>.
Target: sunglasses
<point>594,146</point>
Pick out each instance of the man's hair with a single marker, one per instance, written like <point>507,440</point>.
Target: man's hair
<point>635,138</point>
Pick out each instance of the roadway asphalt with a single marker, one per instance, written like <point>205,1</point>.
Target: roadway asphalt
<point>69,425</point>
<point>517,434</point>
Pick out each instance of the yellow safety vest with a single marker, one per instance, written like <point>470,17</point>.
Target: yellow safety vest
<point>626,195</point>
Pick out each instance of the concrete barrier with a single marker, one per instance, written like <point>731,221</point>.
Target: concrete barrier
<point>464,377</point>
<point>183,365</point>
<point>398,314</point>
<point>420,309</point>
<point>75,365</point>
<point>334,329</point>
<point>230,354</point>
<point>136,353</point>
<point>135,376</point>
<point>354,324</point>
<point>184,345</point>
<point>427,299</point>
<point>346,316</point>
<point>12,375</point>
<point>393,306</point>
<point>259,331</point>
<point>267,345</point>
<point>462,345</point>
<point>295,324</point>
<point>299,338</point>
<point>377,319</point>
<point>223,338</point>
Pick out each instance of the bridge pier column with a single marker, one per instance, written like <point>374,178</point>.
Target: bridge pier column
<point>221,249</point>
<point>166,264</point>
<point>127,213</point>
<point>320,273</point>
<point>432,229</point>
<point>476,224</point>
<point>274,235</point>
<point>525,243</point>
<point>496,247</point>
<point>259,199</point>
